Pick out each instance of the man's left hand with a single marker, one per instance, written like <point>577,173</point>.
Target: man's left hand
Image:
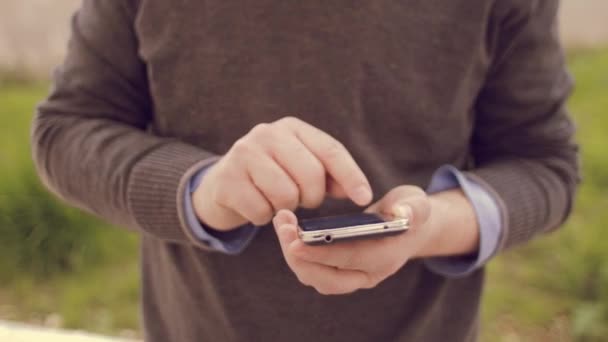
<point>349,266</point>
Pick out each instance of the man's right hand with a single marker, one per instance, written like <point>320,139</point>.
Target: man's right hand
<point>281,165</point>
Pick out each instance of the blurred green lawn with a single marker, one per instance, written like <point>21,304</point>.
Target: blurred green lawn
<point>63,261</point>
<point>554,289</point>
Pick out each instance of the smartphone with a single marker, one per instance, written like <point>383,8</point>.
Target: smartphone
<point>331,229</point>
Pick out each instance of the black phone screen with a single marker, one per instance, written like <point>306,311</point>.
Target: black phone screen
<point>331,222</point>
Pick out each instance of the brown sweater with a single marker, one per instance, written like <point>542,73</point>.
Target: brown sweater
<point>151,90</point>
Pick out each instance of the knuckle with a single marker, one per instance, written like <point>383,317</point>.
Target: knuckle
<point>299,150</point>
<point>264,133</point>
<point>262,214</point>
<point>334,150</point>
<point>289,120</point>
<point>241,147</point>
<point>286,198</point>
<point>316,172</point>
<point>261,129</point>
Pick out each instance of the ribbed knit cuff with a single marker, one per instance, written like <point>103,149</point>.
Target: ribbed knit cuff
<point>519,198</point>
<point>156,185</point>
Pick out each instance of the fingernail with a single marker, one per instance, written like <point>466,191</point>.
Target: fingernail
<point>402,211</point>
<point>362,195</point>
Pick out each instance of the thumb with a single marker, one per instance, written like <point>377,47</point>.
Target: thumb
<point>285,223</point>
<point>416,209</point>
<point>404,201</point>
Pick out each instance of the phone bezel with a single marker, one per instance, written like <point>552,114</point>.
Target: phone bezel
<point>327,236</point>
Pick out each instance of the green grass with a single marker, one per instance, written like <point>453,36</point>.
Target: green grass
<point>553,289</point>
<point>556,288</point>
<point>16,106</point>
<point>54,259</point>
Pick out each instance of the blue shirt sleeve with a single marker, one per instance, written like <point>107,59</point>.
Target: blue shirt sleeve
<point>447,177</point>
<point>488,216</point>
<point>232,242</point>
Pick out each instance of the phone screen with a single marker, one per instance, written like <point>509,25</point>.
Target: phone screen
<point>339,221</point>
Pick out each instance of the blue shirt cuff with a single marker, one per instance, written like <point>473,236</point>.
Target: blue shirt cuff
<point>488,216</point>
<point>231,242</point>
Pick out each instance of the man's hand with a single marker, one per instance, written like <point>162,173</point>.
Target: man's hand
<point>349,266</point>
<point>281,165</point>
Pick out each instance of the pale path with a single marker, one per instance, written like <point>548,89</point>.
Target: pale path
<point>16,332</point>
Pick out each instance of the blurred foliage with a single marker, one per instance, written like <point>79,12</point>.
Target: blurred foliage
<point>556,288</point>
<point>53,258</point>
<point>40,236</point>
<point>58,260</point>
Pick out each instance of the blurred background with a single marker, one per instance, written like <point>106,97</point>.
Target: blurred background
<point>61,268</point>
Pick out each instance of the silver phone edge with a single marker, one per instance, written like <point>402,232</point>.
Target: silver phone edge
<point>335,234</point>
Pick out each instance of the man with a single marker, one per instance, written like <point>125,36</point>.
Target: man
<point>199,123</point>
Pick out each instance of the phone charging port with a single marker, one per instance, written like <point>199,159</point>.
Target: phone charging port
<point>328,238</point>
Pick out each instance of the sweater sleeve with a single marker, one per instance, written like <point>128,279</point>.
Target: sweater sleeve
<point>90,138</point>
<point>522,143</point>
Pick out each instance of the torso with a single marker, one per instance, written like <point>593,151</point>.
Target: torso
<point>395,81</point>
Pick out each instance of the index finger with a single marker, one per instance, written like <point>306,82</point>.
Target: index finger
<point>336,160</point>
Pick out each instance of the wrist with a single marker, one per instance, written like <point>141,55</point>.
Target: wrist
<point>199,202</point>
<point>454,225</point>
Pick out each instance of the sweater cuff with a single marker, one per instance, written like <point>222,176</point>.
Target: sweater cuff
<point>515,185</point>
<point>231,242</point>
<point>488,216</point>
<point>156,188</point>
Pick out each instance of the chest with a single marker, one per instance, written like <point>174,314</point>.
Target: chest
<point>381,68</point>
